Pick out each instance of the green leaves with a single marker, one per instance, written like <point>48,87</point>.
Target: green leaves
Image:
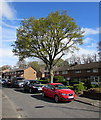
<point>46,38</point>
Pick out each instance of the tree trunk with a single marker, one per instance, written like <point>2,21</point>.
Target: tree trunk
<point>51,75</point>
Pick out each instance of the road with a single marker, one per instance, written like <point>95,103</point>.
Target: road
<point>28,105</point>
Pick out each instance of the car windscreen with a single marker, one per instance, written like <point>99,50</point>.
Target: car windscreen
<point>35,82</point>
<point>60,86</point>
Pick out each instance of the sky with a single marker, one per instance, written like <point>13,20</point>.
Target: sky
<point>86,15</point>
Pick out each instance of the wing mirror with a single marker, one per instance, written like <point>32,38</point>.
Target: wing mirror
<point>53,89</point>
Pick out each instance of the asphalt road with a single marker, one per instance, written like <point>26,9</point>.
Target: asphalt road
<point>28,105</point>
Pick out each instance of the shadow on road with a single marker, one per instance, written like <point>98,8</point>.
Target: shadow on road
<point>47,99</point>
<point>21,90</point>
<point>56,105</point>
<point>40,97</point>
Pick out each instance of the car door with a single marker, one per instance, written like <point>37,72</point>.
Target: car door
<point>51,91</point>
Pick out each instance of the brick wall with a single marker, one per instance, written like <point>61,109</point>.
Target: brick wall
<point>30,74</point>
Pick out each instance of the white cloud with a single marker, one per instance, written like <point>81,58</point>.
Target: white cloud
<point>81,51</point>
<point>90,31</point>
<point>92,46</point>
<point>6,52</point>
<point>87,40</point>
<point>7,11</point>
<point>7,57</point>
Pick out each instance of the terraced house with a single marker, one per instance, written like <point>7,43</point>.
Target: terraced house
<point>81,71</point>
<point>90,71</point>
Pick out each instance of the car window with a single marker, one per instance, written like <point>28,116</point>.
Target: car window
<point>50,86</point>
<point>60,86</point>
<point>35,82</point>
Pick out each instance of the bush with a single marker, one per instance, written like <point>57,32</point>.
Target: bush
<point>94,90</point>
<point>70,87</point>
<point>71,83</point>
<point>67,83</point>
<point>94,85</point>
<point>43,81</point>
<point>59,79</point>
<point>87,83</point>
<point>78,87</point>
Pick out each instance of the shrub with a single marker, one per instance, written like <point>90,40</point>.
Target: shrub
<point>78,87</point>
<point>67,83</point>
<point>43,81</point>
<point>71,83</point>
<point>94,85</point>
<point>70,87</point>
<point>95,90</point>
<point>59,79</point>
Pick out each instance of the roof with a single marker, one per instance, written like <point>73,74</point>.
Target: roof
<point>18,69</point>
<point>54,83</point>
<point>62,68</point>
<point>80,66</point>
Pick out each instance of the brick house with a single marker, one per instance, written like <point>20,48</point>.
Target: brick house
<point>90,71</point>
<point>27,73</point>
<point>2,72</point>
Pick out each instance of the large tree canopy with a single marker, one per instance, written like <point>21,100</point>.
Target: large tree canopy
<point>47,38</point>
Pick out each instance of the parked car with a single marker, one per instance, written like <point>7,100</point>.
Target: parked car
<point>9,82</point>
<point>3,81</point>
<point>33,86</point>
<point>58,92</point>
<point>19,84</point>
<point>14,81</point>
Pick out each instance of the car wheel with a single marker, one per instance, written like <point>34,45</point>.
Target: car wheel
<point>56,98</point>
<point>30,90</point>
<point>43,94</point>
<point>24,89</point>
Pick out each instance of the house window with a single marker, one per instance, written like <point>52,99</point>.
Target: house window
<point>88,70</point>
<point>78,71</point>
<point>95,70</point>
<point>64,72</point>
<point>57,73</point>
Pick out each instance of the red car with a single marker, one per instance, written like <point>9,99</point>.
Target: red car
<point>59,92</point>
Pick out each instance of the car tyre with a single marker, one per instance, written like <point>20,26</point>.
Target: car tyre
<point>30,90</point>
<point>43,94</point>
<point>56,98</point>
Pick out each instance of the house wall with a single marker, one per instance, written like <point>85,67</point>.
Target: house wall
<point>30,74</point>
<point>82,75</point>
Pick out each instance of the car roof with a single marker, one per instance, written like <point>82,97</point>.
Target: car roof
<point>54,83</point>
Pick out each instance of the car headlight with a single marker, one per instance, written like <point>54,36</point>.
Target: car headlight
<point>64,94</point>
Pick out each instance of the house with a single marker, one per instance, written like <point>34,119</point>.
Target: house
<point>28,73</point>
<point>89,71</point>
<point>3,71</point>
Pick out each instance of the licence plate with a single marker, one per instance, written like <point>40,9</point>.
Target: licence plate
<point>71,97</point>
<point>39,88</point>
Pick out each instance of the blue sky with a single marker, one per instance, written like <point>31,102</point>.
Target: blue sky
<point>86,15</point>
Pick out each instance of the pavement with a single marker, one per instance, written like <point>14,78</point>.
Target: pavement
<point>88,101</point>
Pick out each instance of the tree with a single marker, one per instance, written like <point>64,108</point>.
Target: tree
<point>34,64</point>
<point>99,49</point>
<point>22,64</point>
<point>59,63</point>
<point>47,38</point>
<point>5,67</point>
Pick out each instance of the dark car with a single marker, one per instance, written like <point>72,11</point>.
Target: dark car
<point>58,92</point>
<point>14,82</point>
<point>9,82</point>
<point>33,86</point>
<point>19,84</point>
<point>3,81</point>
